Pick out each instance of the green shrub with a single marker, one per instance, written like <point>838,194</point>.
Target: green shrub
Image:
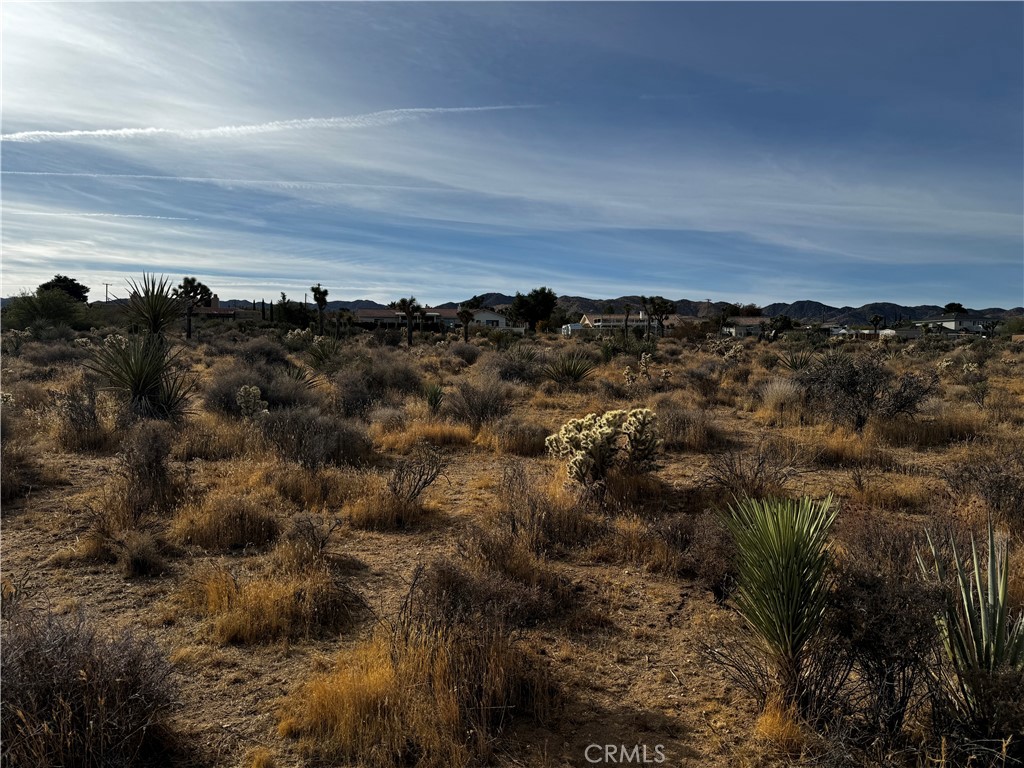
<point>144,370</point>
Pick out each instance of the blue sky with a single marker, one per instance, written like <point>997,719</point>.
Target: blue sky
<point>842,152</point>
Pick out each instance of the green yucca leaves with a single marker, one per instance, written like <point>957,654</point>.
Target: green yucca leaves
<point>796,360</point>
<point>784,578</point>
<point>143,369</point>
<point>982,639</point>
<point>569,369</point>
<point>152,304</point>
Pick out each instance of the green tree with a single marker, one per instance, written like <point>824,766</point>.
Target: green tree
<point>49,307</point>
<point>410,308</point>
<point>535,306</point>
<point>876,320</point>
<point>465,316</point>
<point>320,297</point>
<point>192,293</point>
<point>954,308</point>
<point>69,285</point>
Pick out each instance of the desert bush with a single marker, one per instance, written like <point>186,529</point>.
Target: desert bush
<point>440,434</point>
<point>313,439</point>
<point>76,417</point>
<point>706,379</point>
<point>785,572</point>
<point>18,471</point>
<point>995,475</point>
<point>711,554</point>
<point>263,351</point>
<point>763,472</point>
<point>468,353</point>
<point>212,438</point>
<point>983,640</point>
<point>228,520</point>
<point>385,337</point>
<point>278,387</point>
<point>312,603</point>
<point>634,541</point>
<point>145,483</point>
<point>74,697</point>
<point>307,544</point>
<point>433,394</point>
<point>851,390</point>
<point>477,405</point>
<point>944,427</point>
<point>594,444</point>
<point>40,355</point>
<point>883,614</point>
<point>795,359</point>
<point>325,354</point>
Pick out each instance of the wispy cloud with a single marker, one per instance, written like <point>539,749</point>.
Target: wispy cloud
<point>369,120</point>
<point>78,214</point>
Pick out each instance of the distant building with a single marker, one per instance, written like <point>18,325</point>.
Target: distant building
<point>957,323</point>
<point>741,327</point>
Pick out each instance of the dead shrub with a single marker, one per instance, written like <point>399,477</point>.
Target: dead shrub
<point>393,501</point>
<point>468,353</point>
<point>634,541</point>
<point>76,417</point>
<point>996,475</point>
<point>74,697</point>
<point>307,544</point>
<point>327,487</point>
<point>210,438</point>
<point>763,472</point>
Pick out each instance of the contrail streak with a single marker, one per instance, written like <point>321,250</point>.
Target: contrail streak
<point>102,215</point>
<point>368,120</point>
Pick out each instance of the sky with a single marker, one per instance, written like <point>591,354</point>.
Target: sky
<point>752,152</point>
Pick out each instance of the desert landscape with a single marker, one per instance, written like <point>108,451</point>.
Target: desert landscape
<point>267,546</point>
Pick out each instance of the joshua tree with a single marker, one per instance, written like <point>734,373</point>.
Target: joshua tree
<point>320,297</point>
<point>876,320</point>
<point>660,310</point>
<point>625,321</point>
<point>410,308</point>
<point>465,317</point>
<point>191,293</point>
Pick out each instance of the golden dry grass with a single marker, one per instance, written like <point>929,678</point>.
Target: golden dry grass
<point>270,608</point>
<point>440,434</point>
<point>227,519</point>
<point>433,697</point>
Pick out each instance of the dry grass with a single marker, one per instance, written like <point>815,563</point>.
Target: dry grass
<point>269,609</point>
<point>906,493</point>
<point>326,487</point>
<point>429,696</point>
<point>826,447</point>
<point>225,519</point>
<point>260,757</point>
<point>947,426</point>
<point>440,434</point>
<point>211,437</point>
<point>633,541</point>
<point>515,437</point>
<point>780,728</point>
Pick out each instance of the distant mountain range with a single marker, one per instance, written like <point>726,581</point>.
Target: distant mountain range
<point>806,311</point>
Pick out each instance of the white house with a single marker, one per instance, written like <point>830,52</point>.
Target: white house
<point>488,318</point>
<point>599,322</point>
<point>958,323</point>
<point>741,327</point>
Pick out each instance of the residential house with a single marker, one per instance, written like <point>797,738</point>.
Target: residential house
<point>604,322</point>
<point>741,327</point>
<point>955,323</point>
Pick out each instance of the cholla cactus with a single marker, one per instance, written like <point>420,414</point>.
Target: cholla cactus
<point>630,376</point>
<point>642,442</point>
<point>593,443</point>
<point>115,340</point>
<point>248,399</point>
<point>645,365</point>
<point>298,339</point>
<point>944,365</point>
<point>82,342</point>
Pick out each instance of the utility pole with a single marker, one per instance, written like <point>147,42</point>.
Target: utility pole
<point>106,294</point>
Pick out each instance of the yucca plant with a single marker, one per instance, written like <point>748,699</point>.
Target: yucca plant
<point>784,580</point>
<point>796,359</point>
<point>433,393</point>
<point>152,304</point>
<point>144,370</point>
<point>569,369</point>
<point>324,354</point>
<point>983,641</point>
